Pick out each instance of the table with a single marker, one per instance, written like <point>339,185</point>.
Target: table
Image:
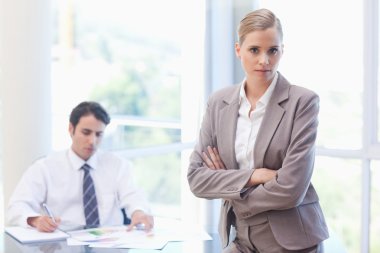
<point>10,245</point>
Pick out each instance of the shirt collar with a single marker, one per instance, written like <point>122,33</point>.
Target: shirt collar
<point>265,97</point>
<point>78,162</point>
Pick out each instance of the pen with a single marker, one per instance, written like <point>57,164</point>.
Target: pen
<point>48,212</point>
<point>140,226</point>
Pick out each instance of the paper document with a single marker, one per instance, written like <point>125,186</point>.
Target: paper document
<point>31,235</point>
<point>177,230</point>
<point>116,237</point>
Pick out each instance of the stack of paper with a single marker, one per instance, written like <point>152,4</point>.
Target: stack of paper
<point>119,237</point>
<point>166,230</point>
<point>116,237</point>
<point>31,235</point>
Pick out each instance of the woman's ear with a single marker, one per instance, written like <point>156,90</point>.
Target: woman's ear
<point>237,49</point>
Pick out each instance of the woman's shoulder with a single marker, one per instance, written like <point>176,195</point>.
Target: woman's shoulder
<point>227,94</point>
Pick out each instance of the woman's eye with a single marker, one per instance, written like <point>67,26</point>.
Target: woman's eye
<point>254,50</point>
<point>273,51</point>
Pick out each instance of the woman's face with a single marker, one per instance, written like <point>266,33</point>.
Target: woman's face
<point>260,54</point>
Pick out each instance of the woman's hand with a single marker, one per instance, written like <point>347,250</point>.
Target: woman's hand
<point>212,160</point>
<point>261,176</point>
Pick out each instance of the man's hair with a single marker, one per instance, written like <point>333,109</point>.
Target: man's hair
<point>89,108</point>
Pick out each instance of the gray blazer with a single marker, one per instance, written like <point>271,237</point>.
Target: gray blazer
<point>285,142</point>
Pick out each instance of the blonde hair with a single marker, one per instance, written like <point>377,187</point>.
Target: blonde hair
<point>258,20</point>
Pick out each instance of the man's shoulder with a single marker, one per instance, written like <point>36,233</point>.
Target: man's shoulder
<point>56,156</point>
<point>53,160</point>
<point>111,159</point>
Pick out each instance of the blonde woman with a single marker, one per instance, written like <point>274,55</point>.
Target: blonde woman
<point>256,151</point>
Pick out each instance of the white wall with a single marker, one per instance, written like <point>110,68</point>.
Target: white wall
<point>25,39</point>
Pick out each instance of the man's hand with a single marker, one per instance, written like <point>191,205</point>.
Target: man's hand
<point>261,176</point>
<point>212,159</point>
<point>141,218</point>
<point>44,223</point>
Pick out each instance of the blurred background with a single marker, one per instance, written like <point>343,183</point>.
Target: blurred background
<point>153,64</point>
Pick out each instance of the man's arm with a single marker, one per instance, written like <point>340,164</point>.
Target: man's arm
<point>133,199</point>
<point>25,203</point>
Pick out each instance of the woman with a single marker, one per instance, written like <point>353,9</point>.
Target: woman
<point>256,151</point>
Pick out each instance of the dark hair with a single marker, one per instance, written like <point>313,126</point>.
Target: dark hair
<point>86,108</point>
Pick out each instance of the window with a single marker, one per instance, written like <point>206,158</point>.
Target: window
<point>326,55</point>
<point>375,206</point>
<point>143,61</point>
<point>332,177</point>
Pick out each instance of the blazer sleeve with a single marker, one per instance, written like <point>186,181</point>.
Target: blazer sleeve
<point>291,185</point>
<point>208,183</point>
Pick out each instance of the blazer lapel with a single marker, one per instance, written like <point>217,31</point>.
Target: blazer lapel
<point>227,128</point>
<point>272,118</point>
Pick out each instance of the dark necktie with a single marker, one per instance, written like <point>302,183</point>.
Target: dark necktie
<point>89,199</point>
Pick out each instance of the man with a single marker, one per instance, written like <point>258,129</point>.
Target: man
<point>79,186</point>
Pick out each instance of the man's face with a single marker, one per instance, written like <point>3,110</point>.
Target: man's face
<point>86,136</point>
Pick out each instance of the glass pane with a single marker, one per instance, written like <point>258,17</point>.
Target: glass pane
<point>138,59</point>
<point>375,207</point>
<point>126,137</point>
<point>332,177</point>
<point>325,55</point>
<point>159,176</point>
<point>378,76</point>
<point>125,56</point>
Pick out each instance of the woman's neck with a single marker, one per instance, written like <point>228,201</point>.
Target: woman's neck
<point>254,89</point>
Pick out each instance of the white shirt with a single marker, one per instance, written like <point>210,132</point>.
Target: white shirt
<point>57,180</point>
<point>248,125</point>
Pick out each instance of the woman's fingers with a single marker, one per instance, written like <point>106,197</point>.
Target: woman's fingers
<point>219,160</point>
<point>207,161</point>
<point>212,159</point>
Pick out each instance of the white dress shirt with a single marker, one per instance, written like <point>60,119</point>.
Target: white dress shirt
<point>57,180</point>
<point>248,125</point>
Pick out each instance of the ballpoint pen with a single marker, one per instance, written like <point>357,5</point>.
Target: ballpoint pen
<point>49,213</point>
<point>140,226</point>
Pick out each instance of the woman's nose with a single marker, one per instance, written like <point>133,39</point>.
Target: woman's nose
<point>264,59</point>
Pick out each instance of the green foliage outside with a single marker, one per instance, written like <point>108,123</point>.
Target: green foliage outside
<point>144,83</point>
<point>375,208</point>
<point>338,183</point>
<point>160,177</point>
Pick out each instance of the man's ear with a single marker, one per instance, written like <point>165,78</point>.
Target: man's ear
<point>71,129</point>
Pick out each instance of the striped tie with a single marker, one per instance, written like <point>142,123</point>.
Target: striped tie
<point>89,199</point>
